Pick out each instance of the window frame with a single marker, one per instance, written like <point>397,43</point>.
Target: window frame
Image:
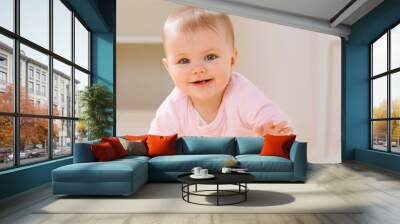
<point>16,115</point>
<point>388,74</point>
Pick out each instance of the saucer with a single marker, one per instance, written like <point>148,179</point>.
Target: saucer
<point>208,176</point>
<point>240,171</point>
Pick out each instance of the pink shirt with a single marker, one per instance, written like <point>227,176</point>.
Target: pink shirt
<point>243,108</point>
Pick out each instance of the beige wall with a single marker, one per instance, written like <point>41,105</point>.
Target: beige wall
<point>299,70</point>
<point>142,84</point>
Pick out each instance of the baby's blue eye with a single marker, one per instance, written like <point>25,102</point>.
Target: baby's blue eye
<point>183,61</point>
<point>211,57</point>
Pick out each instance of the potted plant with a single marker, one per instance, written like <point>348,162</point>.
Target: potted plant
<point>96,102</point>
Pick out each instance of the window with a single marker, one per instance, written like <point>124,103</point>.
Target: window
<point>7,142</point>
<point>3,61</point>
<point>43,77</point>
<point>44,91</point>
<point>38,89</point>
<point>3,78</point>
<point>3,72</point>
<point>56,126</point>
<point>81,81</point>
<point>81,45</point>
<point>30,72</point>
<point>34,21</point>
<point>385,91</point>
<point>30,87</point>
<point>62,75</point>
<point>62,139</point>
<point>7,85</point>
<point>38,74</point>
<point>7,14</point>
<point>62,30</point>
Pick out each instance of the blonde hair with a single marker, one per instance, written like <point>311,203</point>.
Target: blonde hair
<point>190,19</point>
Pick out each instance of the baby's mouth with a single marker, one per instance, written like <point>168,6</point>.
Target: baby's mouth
<point>201,82</point>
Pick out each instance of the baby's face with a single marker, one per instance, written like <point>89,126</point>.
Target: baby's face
<point>199,62</point>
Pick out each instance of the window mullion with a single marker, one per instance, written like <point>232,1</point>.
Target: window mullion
<point>50,81</point>
<point>16,83</point>
<point>370,98</point>
<point>389,106</point>
<point>73,82</point>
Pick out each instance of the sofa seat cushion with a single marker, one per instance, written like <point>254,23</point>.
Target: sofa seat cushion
<point>257,163</point>
<point>185,163</point>
<point>133,158</point>
<point>111,171</point>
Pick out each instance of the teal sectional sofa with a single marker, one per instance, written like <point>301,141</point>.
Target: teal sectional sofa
<point>125,176</point>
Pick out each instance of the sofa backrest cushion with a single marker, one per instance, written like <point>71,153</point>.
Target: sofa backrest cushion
<point>83,152</point>
<point>192,145</point>
<point>249,145</point>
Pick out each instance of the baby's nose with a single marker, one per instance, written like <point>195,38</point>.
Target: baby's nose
<point>199,70</point>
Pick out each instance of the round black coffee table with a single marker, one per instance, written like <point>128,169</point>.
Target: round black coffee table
<point>238,179</point>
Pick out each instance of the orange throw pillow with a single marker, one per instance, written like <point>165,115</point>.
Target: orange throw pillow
<point>161,145</point>
<point>103,151</point>
<point>277,145</point>
<point>116,145</point>
<point>135,137</point>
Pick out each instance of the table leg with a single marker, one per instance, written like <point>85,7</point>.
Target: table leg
<point>217,194</point>
<point>188,190</point>
<point>196,188</point>
<point>245,193</point>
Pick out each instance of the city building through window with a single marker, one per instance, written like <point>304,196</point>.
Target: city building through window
<point>56,126</point>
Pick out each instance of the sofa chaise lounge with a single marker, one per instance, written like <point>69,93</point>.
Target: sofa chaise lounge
<point>126,175</point>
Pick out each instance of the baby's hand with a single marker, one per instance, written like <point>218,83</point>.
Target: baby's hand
<point>271,128</point>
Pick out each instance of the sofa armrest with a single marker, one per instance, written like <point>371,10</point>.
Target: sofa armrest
<point>83,152</point>
<point>298,155</point>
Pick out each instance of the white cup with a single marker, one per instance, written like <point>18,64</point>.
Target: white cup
<point>196,170</point>
<point>203,172</point>
<point>226,170</point>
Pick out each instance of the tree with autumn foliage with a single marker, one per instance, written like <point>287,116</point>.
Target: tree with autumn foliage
<point>6,122</point>
<point>380,127</point>
<point>33,131</point>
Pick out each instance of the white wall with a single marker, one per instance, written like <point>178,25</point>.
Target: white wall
<point>299,70</point>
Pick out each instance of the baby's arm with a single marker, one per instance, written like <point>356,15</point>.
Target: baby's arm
<point>272,128</point>
<point>263,116</point>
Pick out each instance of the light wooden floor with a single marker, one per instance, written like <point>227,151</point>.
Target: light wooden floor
<point>380,189</point>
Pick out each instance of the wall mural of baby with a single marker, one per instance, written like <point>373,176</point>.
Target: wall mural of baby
<point>210,98</point>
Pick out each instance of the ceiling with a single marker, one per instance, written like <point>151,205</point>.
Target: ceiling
<point>313,15</point>
<point>318,9</point>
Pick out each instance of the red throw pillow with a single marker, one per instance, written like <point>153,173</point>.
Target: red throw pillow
<point>116,145</point>
<point>277,145</point>
<point>103,151</point>
<point>161,145</point>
